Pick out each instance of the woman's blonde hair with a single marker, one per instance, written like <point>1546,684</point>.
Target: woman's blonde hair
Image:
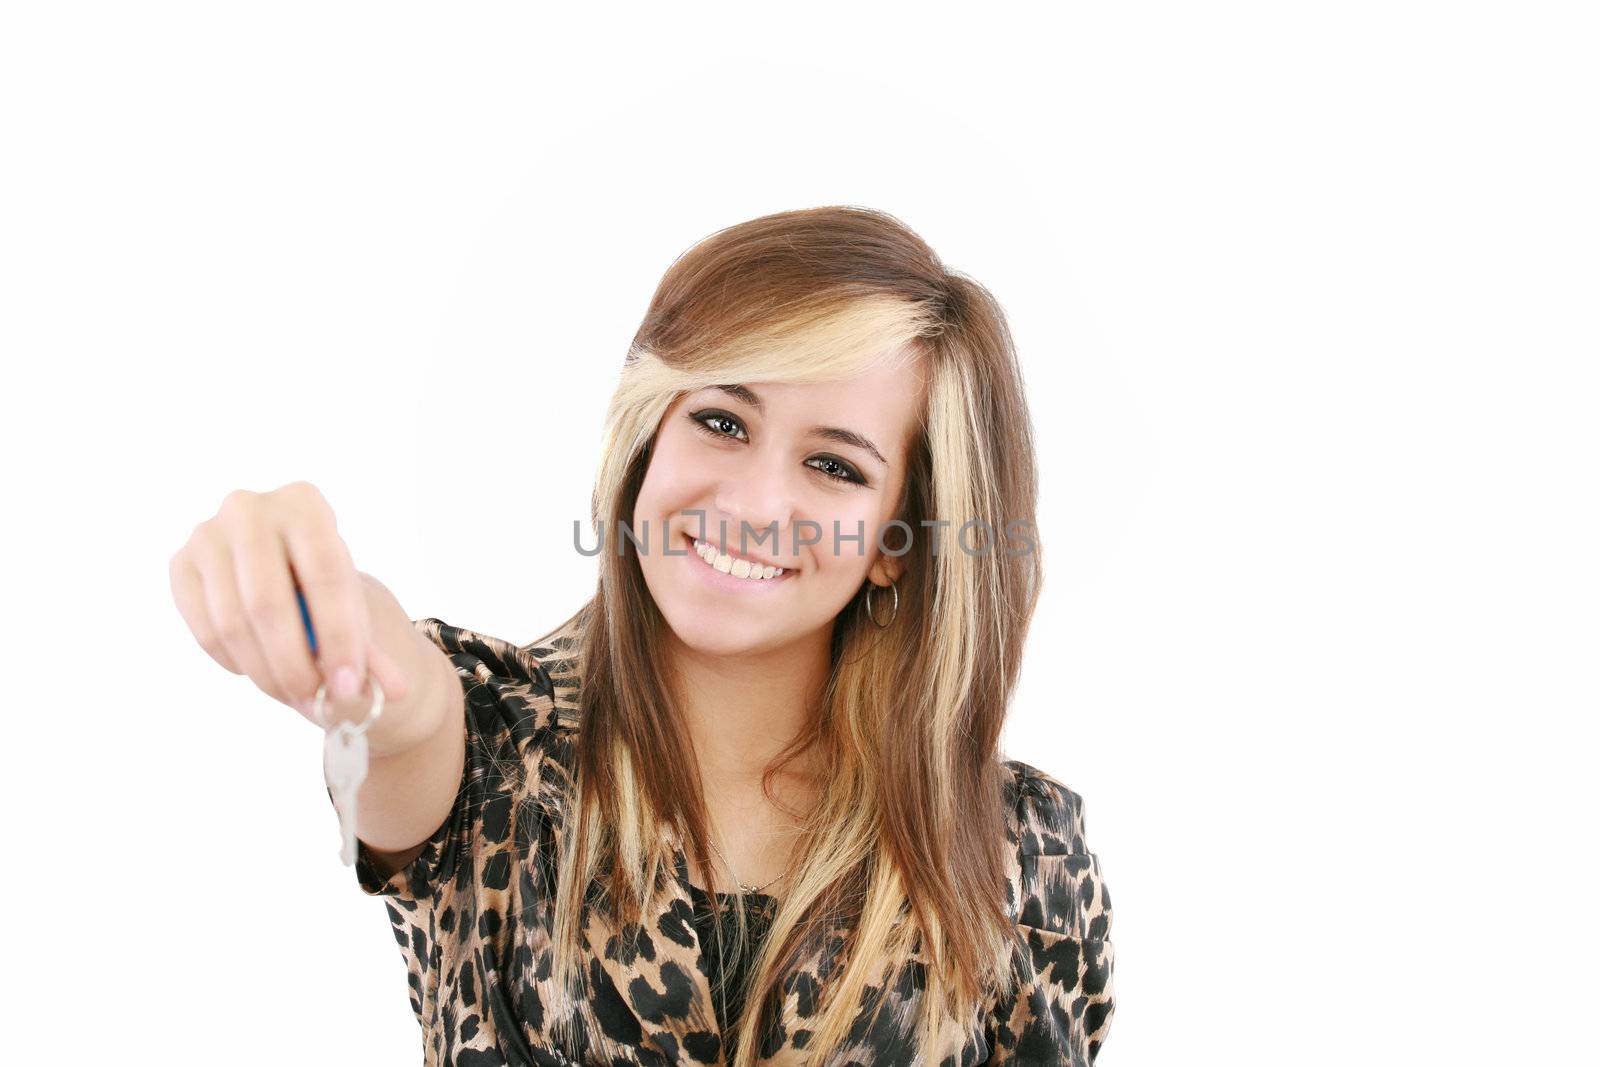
<point>906,841</point>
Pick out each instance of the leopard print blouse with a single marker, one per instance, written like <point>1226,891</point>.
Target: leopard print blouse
<point>472,914</point>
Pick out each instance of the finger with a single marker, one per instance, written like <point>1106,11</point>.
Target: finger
<point>266,596</point>
<point>321,566</point>
<point>188,590</point>
<point>396,686</point>
<point>228,620</point>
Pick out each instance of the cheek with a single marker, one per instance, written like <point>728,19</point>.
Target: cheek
<point>667,479</point>
<point>845,559</point>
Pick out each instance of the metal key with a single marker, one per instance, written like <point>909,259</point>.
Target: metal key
<point>344,765</point>
<point>344,749</point>
<point>344,762</point>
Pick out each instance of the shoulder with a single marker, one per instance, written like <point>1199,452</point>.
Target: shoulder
<point>1046,817</point>
<point>522,708</point>
<point>1057,884</point>
<point>535,684</point>
<point>1064,964</point>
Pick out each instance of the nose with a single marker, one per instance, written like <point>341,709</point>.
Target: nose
<point>760,495</point>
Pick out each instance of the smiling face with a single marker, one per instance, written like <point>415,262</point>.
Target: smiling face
<point>756,454</point>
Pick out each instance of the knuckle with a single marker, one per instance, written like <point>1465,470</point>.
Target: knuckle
<point>235,500</point>
<point>199,541</point>
<point>298,685</point>
<point>273,690</point>
<point>261,606</point>
<point>308,689</point>
<point>238,521</point>
<point>302,494</point>
<point>320,561</point>
<point>232,632</point>
<point>217,651</point>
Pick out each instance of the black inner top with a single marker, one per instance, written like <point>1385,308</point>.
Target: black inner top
<point>727,976</point>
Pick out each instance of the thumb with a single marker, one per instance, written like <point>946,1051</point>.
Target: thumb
<point>396,686</point>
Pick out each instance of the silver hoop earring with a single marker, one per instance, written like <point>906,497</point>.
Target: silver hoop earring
<point>894,587</point>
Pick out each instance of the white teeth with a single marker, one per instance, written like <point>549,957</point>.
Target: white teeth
<point>739,568</point>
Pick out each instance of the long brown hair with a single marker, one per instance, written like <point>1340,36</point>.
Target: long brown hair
<point>906,838</point>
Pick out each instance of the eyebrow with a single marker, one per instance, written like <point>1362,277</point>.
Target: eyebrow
<point>832,433</point>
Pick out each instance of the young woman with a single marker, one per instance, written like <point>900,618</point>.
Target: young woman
<point>746,806</point>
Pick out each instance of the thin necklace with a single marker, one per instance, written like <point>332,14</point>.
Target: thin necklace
<point>742,887</point>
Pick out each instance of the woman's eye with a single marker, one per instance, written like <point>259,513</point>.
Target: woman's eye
<point>848,474</point>
<point>717,423</point>
<point>721,425</point>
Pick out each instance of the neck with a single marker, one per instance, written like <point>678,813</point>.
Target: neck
<point>742,710</point>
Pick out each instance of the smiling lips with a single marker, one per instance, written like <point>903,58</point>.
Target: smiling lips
<point>734,565</point>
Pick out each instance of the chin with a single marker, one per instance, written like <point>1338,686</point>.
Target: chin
<point>725,646</point>
<point>715,633</point>
<point>723,634</point>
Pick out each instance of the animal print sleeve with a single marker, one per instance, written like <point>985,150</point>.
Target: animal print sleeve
<point>508,711</point>
<point>1061,1008</point>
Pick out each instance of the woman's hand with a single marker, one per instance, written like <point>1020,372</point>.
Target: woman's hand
<point>234,582</point>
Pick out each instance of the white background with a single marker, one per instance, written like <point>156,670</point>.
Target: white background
<point>1306,300</point>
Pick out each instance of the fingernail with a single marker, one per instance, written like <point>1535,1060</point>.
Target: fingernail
<point>345,685</point>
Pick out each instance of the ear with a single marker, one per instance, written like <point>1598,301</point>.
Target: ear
<point>885,570</point>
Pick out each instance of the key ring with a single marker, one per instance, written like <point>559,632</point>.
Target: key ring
<point>350,731</point>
